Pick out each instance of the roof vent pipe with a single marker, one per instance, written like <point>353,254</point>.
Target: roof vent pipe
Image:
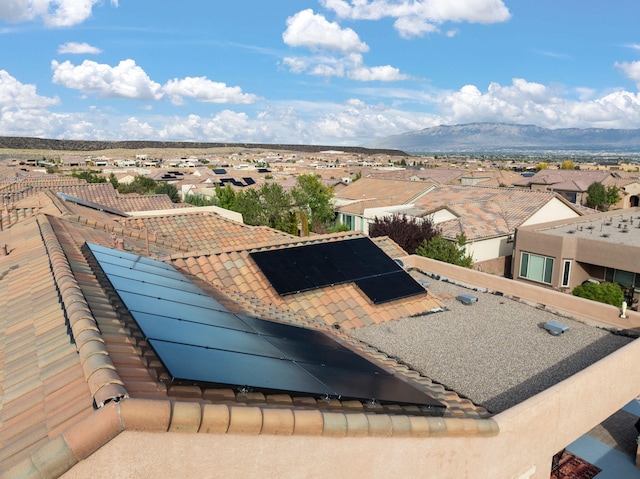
<point>4,251</point>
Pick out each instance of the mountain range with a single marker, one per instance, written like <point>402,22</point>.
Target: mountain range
<point>503,138</point>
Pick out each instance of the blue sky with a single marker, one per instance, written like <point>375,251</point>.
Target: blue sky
<point>332,72</point>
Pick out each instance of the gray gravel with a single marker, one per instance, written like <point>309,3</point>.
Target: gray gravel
<point>493,352</point>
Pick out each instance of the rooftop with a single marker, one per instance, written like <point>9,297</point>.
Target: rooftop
<point>493,351</point>
<point>621,227</point>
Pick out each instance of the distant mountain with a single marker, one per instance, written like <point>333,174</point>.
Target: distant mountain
<point>502,137</point>
<point>27,143</point>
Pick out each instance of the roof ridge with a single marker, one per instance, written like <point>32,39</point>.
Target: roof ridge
<point>103,380</point>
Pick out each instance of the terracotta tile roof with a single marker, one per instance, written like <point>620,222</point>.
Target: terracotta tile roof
<point>198,231</point>
<point>343,305</point>
<point>484,211</point>
<point>393,192</point>
<point>75,370</point>
<point>561,179</point>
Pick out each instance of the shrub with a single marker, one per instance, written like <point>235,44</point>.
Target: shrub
<point>608,293</point>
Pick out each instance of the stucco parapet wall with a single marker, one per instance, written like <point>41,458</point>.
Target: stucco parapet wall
<point>563,304</point>
<point>83,439</point>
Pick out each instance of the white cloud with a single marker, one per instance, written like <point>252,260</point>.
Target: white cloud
<point>348,66</point>
<point>16,95</point>
<point>54,13</point>
<point>417,17</point>
<point>22,111</point>
<point>125,80</point>
<point>631,70</point>
<point>314,31</point>
<point>205,90</point>
<point>533,103</point>
<point>75,48</point>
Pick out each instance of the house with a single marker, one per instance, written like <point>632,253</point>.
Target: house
<point>563,254</point>
<point>85,394</point>
<point>571,184</point>
<point>488,217</point>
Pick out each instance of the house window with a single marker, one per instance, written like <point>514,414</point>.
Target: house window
<point>623,278</point>
<point>536,268</point>
<point>566,271</point>
<point>348,220</point>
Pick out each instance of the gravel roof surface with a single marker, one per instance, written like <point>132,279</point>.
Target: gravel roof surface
<point>494,351</point>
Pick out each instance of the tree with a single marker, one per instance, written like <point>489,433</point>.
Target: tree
<point>247,202</point>
<point>90,176</point>
<point>612,195</point>
<point>448,251</point>
<point>542,166</point>
<point>409,233</point>
<point>169,190</point>
<point>596,195</point>
<point>113,180</point>
<point>276,207</point>
<point>315,199</point>
<point>140,184</point>
<point>226,197</point>
<point>608,293</point>
<point>568,165</point>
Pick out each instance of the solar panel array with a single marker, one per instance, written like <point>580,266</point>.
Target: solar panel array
<point>200,341</point>
<point>303,268</point>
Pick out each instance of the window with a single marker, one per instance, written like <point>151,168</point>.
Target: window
<point>536,267</point>
<point>566,270</point>
<point>623,278</point>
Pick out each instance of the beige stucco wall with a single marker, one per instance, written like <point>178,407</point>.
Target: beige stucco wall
<point>552,211</point>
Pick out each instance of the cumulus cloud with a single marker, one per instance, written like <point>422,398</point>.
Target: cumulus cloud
<point>311,30</point>
<point>22,111</point>
<point>348,66</point>
<point>418,17</point>
<point>534,103</point>
<point>75,48</point>
<point>204,90</point>
<point>631,70</point>
<point>54,13</point>
<point>16,95</point>
<point>125,80</point>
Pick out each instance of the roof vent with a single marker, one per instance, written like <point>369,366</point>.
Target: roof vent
<point>467,299</point>
<point>555,328</point>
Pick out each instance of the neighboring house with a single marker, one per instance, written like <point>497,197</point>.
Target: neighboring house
<point>563,254</point>
<point>571,184</point>
<point>488,217</point>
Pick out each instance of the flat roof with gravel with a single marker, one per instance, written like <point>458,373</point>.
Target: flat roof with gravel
<point>493,351</point>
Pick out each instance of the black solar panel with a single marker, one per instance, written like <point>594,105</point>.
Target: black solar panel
<point>199,340</point>
<point>302,268</point>
<point>248,180</point>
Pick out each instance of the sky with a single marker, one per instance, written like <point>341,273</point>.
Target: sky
<point>327,72</point>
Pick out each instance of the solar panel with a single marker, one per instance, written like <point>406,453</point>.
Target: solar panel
<point>302,268</point>
<point>198,340</point>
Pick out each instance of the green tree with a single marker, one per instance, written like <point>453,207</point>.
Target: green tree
<point>90,176</point>
<point>597,195</point>
<point>169,190</point>
<point>315,199</point>
<point>199,200</point>
<point>448,251</point>
<point>409,233</point>
<point>608,293</point>
<point>113,180</point>
<point>612,195</point>
<point>249,205</point>
<point>140,184</point>
<point>276,207</point>
<point>226,197</point>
